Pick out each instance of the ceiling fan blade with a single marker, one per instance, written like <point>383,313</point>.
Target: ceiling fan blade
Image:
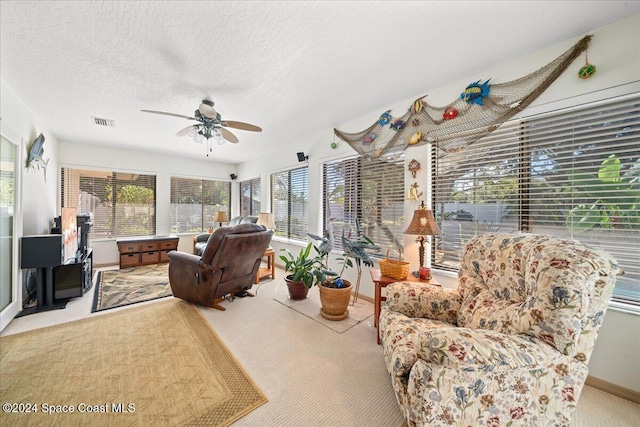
<point>208,110</point>
<point>185,131</point>
<point>241,126</point>
<point>168,114</point>
<point>228,135</point>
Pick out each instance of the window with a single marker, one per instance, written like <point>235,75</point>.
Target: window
<point>122,203</point>
<point>289,200</point>
<point>250,197</point>
<point>571,173</point>
<point>194,203</point>
<point>372,192</point>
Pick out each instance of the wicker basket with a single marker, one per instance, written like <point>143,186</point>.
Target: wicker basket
<point>396,269</point>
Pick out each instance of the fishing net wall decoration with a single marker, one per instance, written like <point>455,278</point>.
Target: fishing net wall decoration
<point>479,110</point>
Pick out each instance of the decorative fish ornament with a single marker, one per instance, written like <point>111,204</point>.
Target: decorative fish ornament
<point>415,138</point>
<point>385,118</point>
<point>368,138</point>
<point>397,125</point>
<point>417,106</point>
<point>474,93</point>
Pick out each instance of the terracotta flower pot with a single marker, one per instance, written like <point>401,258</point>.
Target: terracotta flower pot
<point>297,290</point>
<point>335,301</point>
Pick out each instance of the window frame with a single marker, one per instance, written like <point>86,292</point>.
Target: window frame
<point>253,183</point>
<point>356,194</point>
<point>288,231</point>
<point>112,181</point>
<point>206,219</point>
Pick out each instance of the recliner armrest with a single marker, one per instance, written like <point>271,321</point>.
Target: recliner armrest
<point>184,257</point>
<point>422,300</point>
<point>465,348</point>
<point>203,237</point>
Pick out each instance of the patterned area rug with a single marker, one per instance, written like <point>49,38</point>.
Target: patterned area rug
<point>153,365</point>
<point>115,288</point>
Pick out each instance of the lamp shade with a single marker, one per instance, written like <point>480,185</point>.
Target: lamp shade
<point>423,223</point>
<point>266,219</point>
<point>221,216</point>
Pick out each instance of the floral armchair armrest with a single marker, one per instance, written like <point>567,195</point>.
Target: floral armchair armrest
<point>422,300</point>
<point>461,348</point>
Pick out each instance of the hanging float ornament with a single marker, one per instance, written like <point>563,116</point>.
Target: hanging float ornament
<point>588,70</point>
<point>450,113</point>
<point>385,118</point>
<point>368,138</point>
<point>417,106</point>
<point>414,167</point>
<point>474,93</point>
<point>398,125</point>
<point>413,139</point>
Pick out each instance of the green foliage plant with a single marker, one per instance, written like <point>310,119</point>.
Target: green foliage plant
<point>306,268</point>
<point>610,200</point>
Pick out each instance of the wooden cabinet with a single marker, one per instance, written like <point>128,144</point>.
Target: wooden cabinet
<point>137,251</point>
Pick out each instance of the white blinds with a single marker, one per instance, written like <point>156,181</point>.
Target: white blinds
<point>289,202</point>
<point>371,191</point>
<point>250,197</point>
<point>194,203</point>
<point>571,173</point>
<point>122,204</point>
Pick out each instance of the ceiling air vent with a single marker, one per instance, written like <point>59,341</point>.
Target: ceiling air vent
<point>104,122</point>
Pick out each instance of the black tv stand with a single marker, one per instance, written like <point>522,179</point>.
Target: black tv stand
<point>56,285</point>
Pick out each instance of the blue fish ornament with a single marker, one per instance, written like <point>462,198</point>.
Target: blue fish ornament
<point>474,93</point>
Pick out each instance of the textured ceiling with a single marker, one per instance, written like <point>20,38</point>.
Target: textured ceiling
<point>293,68</point>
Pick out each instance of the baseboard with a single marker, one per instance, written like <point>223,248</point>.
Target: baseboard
<point>614,389</point>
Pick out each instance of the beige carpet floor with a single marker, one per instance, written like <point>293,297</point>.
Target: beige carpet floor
<point>312,375</point>
<point>157,364</point>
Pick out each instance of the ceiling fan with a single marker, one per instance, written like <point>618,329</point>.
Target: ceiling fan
<point>210,126</point>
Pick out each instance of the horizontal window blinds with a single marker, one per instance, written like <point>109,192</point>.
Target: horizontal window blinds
<point>250,197</point>
<point>122,204</point>
<point>289,202</point>
<point>572,173</point>
<point>371,191</point>
<point>194,203</point>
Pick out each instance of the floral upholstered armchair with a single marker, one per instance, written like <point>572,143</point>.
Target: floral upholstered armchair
<point>508,347</point>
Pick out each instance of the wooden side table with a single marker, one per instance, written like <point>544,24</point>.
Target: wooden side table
<point>270,270</point>
<point>380,282</point>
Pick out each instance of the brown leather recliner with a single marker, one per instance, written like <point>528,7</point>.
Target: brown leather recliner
<point>228,265</point>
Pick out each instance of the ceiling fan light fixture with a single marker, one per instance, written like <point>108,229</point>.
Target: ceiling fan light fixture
<point>198,138</point>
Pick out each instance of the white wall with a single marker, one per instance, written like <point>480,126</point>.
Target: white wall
<point>38,197</point>
<point>615,50</point>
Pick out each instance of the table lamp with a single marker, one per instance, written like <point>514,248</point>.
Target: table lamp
<point>266,219</point>
<point>423,224</point>
<point>221,216</point>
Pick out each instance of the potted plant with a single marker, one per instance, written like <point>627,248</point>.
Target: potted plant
<point>335,292</point>
<point>306,271</point>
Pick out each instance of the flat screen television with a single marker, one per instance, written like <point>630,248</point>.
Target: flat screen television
<point>69,226</point>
